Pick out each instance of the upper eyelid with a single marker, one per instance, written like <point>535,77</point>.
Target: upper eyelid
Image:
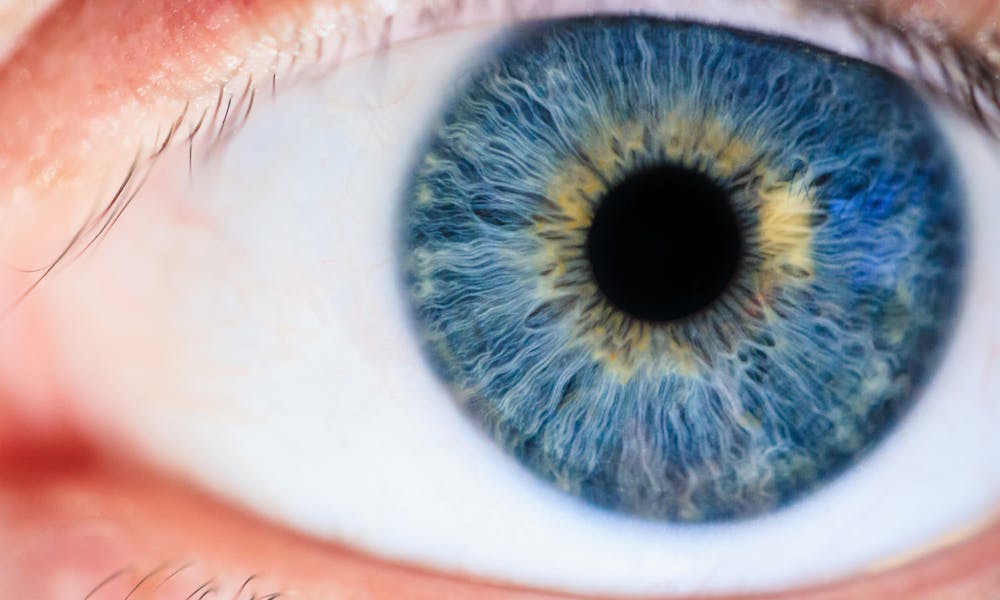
<point>195,69</point>
<point>317,18</point>
<point>926,28</point>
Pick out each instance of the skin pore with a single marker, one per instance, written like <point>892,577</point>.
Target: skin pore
<point>84,85</point>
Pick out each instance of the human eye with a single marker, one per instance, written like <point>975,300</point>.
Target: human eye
<point>284,317</point>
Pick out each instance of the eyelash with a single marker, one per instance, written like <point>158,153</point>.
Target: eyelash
<point>205,589</point>
<point>960,74</point>
<point>950,69</point>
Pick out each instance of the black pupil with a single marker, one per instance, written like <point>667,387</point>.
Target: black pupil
<point>664,243</point>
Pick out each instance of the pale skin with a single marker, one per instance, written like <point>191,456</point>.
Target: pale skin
<point>67,78</point>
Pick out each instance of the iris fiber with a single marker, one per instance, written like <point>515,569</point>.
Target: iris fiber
<point>808,339</point>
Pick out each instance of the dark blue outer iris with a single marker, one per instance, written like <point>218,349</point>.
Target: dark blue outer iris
<point>787,379</point>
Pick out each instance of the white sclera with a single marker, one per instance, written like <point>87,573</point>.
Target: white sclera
<point>245,328</point>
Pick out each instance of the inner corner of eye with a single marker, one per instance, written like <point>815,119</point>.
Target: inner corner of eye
<point>679,271</point>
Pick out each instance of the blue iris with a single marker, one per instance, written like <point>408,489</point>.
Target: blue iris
<point>849,213</point>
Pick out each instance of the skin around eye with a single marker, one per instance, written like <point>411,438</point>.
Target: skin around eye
<point>282,354</point>
<point>76,493</point>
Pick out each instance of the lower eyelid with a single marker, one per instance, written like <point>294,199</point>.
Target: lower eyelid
<point>55,523</point>
<point>69,500</point>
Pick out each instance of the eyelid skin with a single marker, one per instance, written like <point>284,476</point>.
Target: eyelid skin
<point>15,16</point>
<point>85,523</point>
<point>95,82</point>
<point>975,17</point>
